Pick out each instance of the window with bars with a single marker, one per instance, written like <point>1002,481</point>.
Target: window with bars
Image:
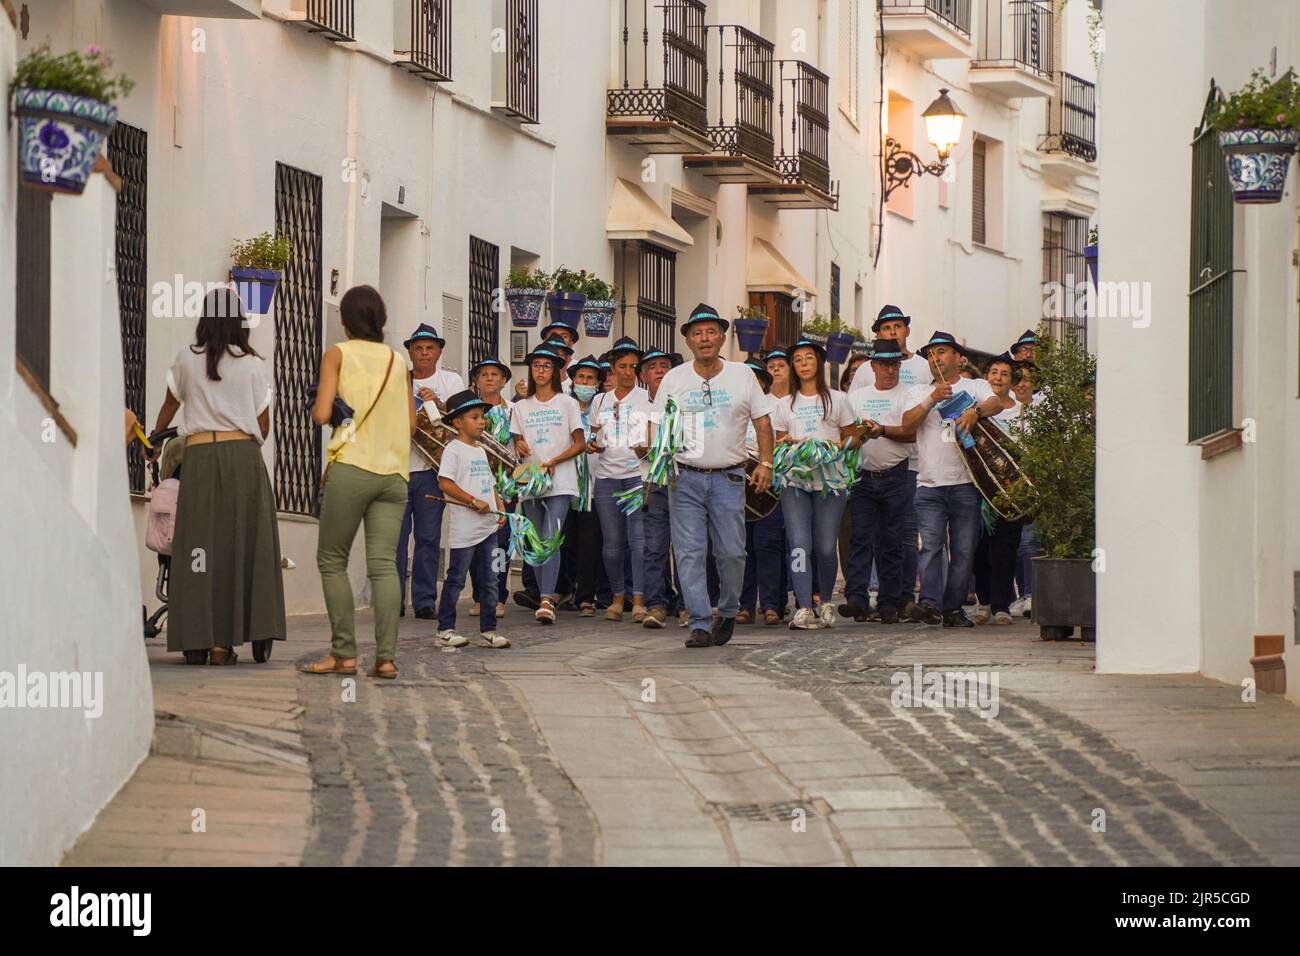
<point>784,326</point>
<point>516,77</point>
<point>1065,274</point>
<point>128,151</point>
<point>423,27</point>
<point>484,277</point>
<point>979,192</point>
<point>32,302</point>
<point>298,304</point>
<point>849,57</point>
<point>1209,299</point>
<point>656,298</point>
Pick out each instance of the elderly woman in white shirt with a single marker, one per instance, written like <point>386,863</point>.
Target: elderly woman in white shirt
<point>225,586</point>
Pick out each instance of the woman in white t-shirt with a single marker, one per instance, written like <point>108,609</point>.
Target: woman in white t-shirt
<point>618,422</point>
<point>580,560</point>
<point>489,379</point>
<point>812,510</point>
<point>547,429</point>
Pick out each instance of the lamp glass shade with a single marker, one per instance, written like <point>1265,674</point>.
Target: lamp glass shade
<point>943,124</point>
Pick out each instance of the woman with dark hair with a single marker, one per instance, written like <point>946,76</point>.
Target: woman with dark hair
<point>813,504</point>
<point>846,377</point>
<point>547,430</point>
<point>365,479</point>
<point>225,585</point>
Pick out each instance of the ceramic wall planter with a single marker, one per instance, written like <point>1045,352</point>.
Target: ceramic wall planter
<point>598,317</point>
<point>751,334</point>
<point>525,306</point>
<point>838,346</point>
<point>60,136</point>
<point>256,288</point>
<point>1258,160</point>
<point>566,307</point>
<point>1090,259</point>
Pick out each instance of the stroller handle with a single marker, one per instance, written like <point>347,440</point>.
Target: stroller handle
<point>162,436</point>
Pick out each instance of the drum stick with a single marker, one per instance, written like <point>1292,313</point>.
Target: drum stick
<point>448,501</point>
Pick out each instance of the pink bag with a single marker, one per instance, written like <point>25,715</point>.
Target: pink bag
<point>162,516</point>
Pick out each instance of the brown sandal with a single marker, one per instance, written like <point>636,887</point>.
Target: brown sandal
<point>223,655</point>
<point>331,665</point>
<point>385,670</point>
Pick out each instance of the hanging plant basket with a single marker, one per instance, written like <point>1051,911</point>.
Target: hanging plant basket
<point>256,288</point>
<point>525,306</point>
<point>838,346</point>
<point>566,307</point>
<point>1258,160</point>
<point>60,137</point>
<point>598,318</point>
<point>751,334</point>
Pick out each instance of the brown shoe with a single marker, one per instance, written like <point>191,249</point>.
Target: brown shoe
<point>771,618</point>
<point>223,655</point>
<point>638,612</point>
<point>744,617</point>
<point>615,610</point>
<point>385,670</point>
<point>655,618</point>
<point>329,664</point>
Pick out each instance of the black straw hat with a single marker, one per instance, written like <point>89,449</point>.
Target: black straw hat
<point>705,313</point>
<point>886,350</point>
<point>941,338</point>
<point>622,346</point>
<point>460,403</point>
<point>425,333</point>
<point>889,313</point>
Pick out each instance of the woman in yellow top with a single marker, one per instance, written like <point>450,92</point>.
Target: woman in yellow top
<point>365,479</point>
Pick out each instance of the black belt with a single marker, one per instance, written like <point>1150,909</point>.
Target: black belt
<point>709,471</point>
<point>888,471</point>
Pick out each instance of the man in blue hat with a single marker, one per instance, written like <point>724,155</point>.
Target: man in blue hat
<point>882,496</point>
<point>1025,348</point>
<point>947,502</point>
<point>716,401</point>
<point>434,386</point>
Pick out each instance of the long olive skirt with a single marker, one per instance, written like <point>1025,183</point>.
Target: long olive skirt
<point>225,585</point>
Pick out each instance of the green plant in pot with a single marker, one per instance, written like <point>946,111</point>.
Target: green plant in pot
<point>65,108</point>
<point>566,296</point>
<point>750,328</point>
<point>1058,454</point>
<point>259,265</point>
<point>833,333</point>
<point>1259,129</point>
<point>598,311</point>
<point>525,292</point>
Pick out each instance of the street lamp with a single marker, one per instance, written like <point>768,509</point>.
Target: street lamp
<point>943,122</point>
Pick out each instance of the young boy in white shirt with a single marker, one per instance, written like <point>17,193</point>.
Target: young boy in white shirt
<point>465,477</point>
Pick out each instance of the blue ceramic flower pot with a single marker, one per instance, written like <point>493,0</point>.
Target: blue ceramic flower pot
<point>525,306</point>
<point>1258,160</point>
<point>1090,258</point>
<point>256,288</point>
<point>598,318</point>
<point>750,334</point>
<point>838,346</point>
<point>60,136</point>
<point>566,307</point>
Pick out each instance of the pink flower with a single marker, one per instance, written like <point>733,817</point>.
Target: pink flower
<point>1281,117</point>
<point>93,50</point>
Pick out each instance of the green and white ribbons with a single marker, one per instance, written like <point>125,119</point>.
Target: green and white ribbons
<point>528,544</point>
<point>583,501</point>
<point>498,417</point>
<point>814,462</point>
<point>533,482</point>
<point>670,439</point>
<point>632,500</point>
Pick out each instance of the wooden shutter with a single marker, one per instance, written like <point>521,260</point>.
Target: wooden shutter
<point>32,303</point>
<point>977,230</point>
<point>847,66</point>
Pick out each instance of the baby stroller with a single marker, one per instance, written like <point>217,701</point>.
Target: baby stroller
<point>166,472</point>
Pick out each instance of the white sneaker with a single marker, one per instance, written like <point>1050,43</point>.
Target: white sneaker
<point>493,639</point>
<point>804,620</point>
<point>982,614</point>
<point>450,638</point>
<point>1002,617</point>
<point>1016,606</point>
<point>1028,607</point>
<point>826,614</point>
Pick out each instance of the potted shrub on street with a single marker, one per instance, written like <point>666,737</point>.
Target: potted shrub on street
<point>65,110</point>
<point>751,328</point>
<point>259,266</point>
<point>598,311</point>
<point>1058,446</point>
<point>566,298</point>
<point>525,293</point>
<point>1258,132</point>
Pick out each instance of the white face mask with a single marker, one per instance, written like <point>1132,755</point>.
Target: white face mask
<point>584,393</point>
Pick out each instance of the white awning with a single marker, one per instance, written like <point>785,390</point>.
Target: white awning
<point>769,271</point>
<point>632,214</point>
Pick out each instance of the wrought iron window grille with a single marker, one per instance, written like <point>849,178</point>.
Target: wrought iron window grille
<point>426,26</point>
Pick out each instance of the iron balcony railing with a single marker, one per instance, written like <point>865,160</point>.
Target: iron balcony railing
<point>805,156</point>
<point>744,97</point>
<point>672,88</point>
<point>521,98</point>
<point>424,27</point>
<point>1072,118</point>
<point>956,13</point>
<point>1017,33</point>
<point>334,18</point>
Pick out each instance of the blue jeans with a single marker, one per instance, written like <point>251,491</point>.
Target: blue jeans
<point>949,518</point>
<point>878,504</point>
<point>812,532</point>
<point>911,552</point>
<point>462,560</point>
<point>547,515</point>
<point>658,564</point>
<point>709,508</point>
<point>765,574</point>
<point>620,534</point>
<point>1030,548</point>
<point>426,516</point>
<point>503,575</point>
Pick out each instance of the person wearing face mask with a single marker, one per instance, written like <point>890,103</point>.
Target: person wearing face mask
<point>580,561</point>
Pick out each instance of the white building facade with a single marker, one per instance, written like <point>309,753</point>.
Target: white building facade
<point>728,151</point>
<point>1198,424</point>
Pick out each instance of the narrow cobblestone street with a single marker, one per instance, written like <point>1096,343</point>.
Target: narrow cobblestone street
<point>591,743</point>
